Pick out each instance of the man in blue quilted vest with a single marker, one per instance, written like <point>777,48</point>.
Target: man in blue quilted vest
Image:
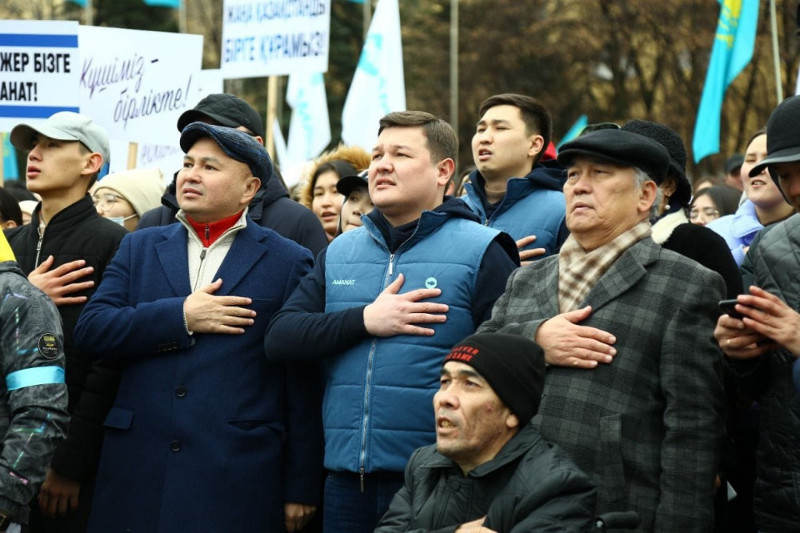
<point>512,189</point>
<point>383,306</point>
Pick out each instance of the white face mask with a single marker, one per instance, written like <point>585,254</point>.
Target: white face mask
<point>121,220</point>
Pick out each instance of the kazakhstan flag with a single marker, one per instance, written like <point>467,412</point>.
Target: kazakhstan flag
<point>732,51</point>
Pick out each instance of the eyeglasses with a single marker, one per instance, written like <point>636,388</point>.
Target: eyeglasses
<point>106,201</point>
<point>706,214</point>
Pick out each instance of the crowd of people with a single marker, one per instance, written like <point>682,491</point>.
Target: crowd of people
<point>547,341</point>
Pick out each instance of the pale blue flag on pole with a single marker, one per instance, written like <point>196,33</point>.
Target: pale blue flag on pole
<point>575,130</point>
<point>378,85</point>
<point>310,126</point>
<point>81,3</point>
<point>164,3</point>
<point>732,51</point>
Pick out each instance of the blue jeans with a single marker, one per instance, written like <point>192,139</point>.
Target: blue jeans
<point>349,510</point>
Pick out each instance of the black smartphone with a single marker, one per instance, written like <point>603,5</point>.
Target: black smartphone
<point>727,307</point>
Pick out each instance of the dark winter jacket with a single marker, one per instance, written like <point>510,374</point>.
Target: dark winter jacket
<point>675,232</point>
<point>33,400</point>
<point>271,207</point>
<point>531,485</point>
<point>76,232</point>
<point>775,260</point>
<point>533,205</point>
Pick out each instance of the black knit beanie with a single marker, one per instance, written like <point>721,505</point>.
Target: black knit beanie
<point>512,365</point>
<point>670,139</point>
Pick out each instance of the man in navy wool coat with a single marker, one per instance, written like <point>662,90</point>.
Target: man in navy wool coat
<point>205,434</point>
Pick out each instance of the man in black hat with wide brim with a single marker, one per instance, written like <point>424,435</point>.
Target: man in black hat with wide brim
<point>633,392</point>
<point>763,347</point>
<point>271,206</point>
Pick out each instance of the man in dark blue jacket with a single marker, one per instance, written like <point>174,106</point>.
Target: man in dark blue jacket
<point>512,190</point>
<point>205,434</point>
<point>271,206</point>
<point>384,304</point>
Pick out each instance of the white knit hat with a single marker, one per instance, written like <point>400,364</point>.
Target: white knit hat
<point>141,187</point>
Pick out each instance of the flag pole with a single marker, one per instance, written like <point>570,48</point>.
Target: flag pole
<point>454,64</point>
<point>775,53</point>
<point>182,16</point>
<point>272,113</point>
<point>89,13</point>
<point>367,12</point>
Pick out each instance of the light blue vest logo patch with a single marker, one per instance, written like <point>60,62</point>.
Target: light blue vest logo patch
<point>431,283</point>
<point>343,282</point>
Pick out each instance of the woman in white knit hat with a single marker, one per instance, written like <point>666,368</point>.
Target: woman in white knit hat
<point>125,196</point>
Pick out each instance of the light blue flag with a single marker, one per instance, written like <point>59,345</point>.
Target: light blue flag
<point>732,51</point>
<point>164,3</point>
<point>575,130</point>
<point>10,170</point>
<point>378,85</point>
<point>81,3</point>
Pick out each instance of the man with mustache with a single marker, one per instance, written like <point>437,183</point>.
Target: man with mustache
<point>490,468</point>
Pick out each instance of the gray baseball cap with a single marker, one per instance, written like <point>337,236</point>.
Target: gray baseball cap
<point>64,126</point>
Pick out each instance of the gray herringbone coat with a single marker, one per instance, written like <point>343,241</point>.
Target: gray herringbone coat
<point>648,426</point>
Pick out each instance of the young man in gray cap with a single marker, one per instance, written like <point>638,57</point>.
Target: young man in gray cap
<point>64,251</point>
<point>205,434</point>
<point>490,467</point>
<point>764,345</point>
<point>271,206</point>
<point>633,391</point>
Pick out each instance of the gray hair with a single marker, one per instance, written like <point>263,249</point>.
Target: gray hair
<point>641,178</point>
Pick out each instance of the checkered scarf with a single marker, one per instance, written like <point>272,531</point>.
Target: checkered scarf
<point>578,270</point>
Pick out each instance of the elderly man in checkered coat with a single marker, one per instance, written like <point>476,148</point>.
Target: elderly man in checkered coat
<point>633,389</point>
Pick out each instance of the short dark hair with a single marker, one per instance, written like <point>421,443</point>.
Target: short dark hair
<point>534,114</point>
<point>9,207</point>
<point>442,138</point>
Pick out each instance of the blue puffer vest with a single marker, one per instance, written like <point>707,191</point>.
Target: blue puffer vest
<point>378,400</point>
<point>526,209</point>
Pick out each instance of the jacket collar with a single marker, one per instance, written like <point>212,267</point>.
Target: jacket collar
<point>664,226</point>
<point>68,217</point>
<point>247,249</point>
<point>524,440</point>
<point>626,271</point>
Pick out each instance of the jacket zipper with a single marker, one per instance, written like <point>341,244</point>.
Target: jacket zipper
<point>199,269</point>
<point>39,245</point>
<point>370,361</point>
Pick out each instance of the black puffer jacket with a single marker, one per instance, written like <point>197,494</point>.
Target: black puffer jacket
<point>76,232</point>
<point>775,263</point>
<point>530,485</point>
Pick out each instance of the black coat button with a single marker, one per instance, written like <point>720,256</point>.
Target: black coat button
<point>180,392</point>
<point>175,446</point>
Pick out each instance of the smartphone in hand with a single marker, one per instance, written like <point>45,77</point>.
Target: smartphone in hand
<point>728,308</point>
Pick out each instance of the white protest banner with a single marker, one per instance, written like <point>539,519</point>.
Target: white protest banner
<point>169,157</point>
<point>378,85</point>
<point>39,70</point>
<point>310,128</point>
<point>275,37</point>
<point>137,83</point>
